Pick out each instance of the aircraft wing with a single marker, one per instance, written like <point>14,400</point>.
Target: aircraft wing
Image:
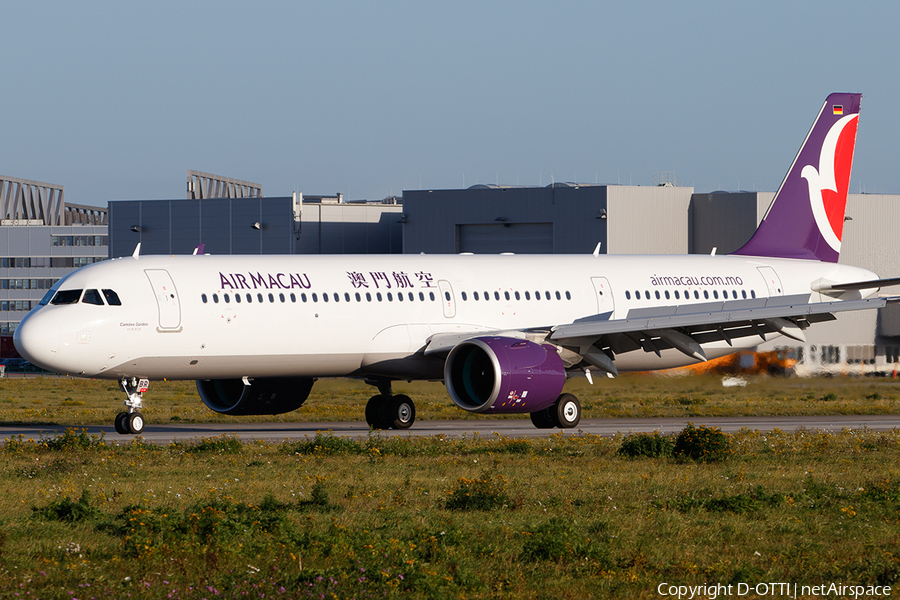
<point>598,338</point>
<point>686,326</point>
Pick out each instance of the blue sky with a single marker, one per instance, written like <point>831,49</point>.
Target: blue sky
<point>117,100</point>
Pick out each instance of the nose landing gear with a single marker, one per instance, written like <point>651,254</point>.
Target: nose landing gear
<point>132,421</point>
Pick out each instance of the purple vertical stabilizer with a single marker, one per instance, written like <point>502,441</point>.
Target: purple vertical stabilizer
<point>806,218</point>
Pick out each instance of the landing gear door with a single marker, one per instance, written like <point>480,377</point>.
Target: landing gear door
<point>603,293</point>
<point>166,300</point>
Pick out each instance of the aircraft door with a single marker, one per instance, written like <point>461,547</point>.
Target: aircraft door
<point>603,293</point>
<point>447,298</point>
<point>773,282</point>
<point>166,300</point>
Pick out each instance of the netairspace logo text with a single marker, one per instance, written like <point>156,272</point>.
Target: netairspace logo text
<point>711,591</point>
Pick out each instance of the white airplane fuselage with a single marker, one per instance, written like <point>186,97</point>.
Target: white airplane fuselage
<point>209,317</point>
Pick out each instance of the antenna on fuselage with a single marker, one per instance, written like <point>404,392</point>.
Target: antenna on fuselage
<point>137,251</point>
<point>597,249</point>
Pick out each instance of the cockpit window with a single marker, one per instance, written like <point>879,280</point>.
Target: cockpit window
<point>66,297</point>
<point>112,298</point>
<point>92,297</point>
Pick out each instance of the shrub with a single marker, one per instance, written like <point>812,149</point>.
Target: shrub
<point>318,497</point>
<point>74,439</point>
<point>646,445</point>
<point>560,538</point>
<point>706,444</point>
<point>68,510</point>
<point>478,494</point>
<point>326,444</point>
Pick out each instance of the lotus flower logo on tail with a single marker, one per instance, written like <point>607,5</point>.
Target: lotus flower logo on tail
<point>828,186</point>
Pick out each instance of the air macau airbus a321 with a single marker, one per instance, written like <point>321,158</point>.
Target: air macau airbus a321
<point>502,332</point>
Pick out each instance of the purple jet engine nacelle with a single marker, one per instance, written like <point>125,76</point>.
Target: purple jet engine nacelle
<point>504,375</point>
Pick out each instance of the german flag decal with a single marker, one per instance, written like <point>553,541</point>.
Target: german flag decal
<point>837,109</point>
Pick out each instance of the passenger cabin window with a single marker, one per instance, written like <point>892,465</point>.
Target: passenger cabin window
<point>66,297</point>
<point>92,297</point>
<point>112,298</point>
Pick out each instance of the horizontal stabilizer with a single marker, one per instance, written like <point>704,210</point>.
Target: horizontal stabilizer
<point>857,285</point>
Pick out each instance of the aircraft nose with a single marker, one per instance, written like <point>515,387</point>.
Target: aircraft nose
<point>37,339</point>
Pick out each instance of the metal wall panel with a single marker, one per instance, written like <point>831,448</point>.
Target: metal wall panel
<point>350,229</point>
<point>496,238</point>
<point>433,217</point>
<point>648,220</point>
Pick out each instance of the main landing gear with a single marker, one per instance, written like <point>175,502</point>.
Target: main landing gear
<point>565,413</point>
<point>386,411</point>
<point>132,421</point>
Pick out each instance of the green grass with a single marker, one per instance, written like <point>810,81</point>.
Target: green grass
<point>415,517</point>
<point>73,402</point>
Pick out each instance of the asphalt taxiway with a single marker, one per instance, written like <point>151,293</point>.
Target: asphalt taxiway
<point>513,428</point>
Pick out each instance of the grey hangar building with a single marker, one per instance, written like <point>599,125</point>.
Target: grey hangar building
<point>42,238</point>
